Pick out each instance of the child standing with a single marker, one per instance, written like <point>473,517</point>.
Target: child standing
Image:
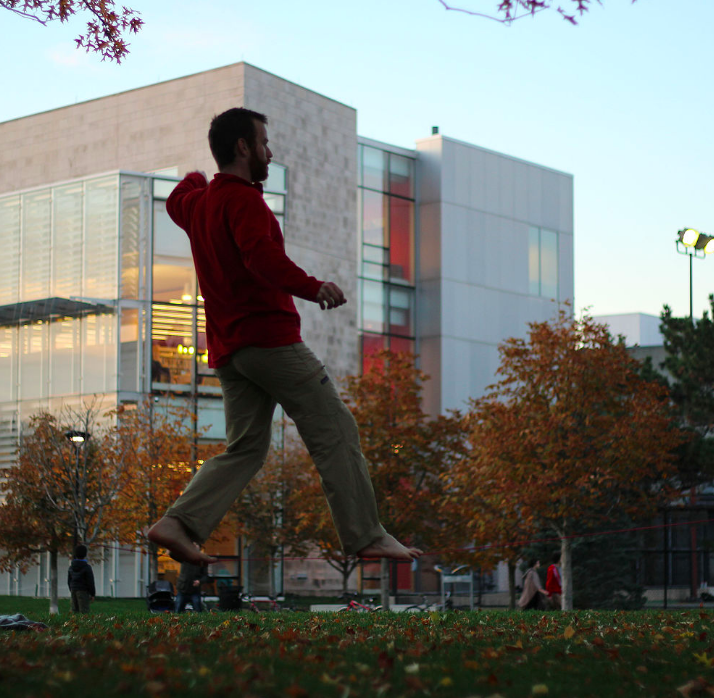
<point>80,580</point>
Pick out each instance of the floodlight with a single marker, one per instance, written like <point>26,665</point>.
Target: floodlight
<point>78,438</point>
<point>709,247</point>
<point>689,237</point>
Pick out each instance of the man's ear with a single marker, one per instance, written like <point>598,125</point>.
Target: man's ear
<point>241,149</point>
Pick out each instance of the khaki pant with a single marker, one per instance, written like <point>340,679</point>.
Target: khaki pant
<point>253,382</point>
<point>80,601</point>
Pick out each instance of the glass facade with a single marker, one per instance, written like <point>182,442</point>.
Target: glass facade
<point>100,298</point>
<point>386,207</point>
<point>543,262</point>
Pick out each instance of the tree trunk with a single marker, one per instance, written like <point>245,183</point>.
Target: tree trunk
<point>384,583</point>
<point>153,562</point>
<point>566,566</point>
<point>54,605</point>
<point>511,584</point>
<point>345,577</point>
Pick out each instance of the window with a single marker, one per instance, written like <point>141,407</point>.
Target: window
<point>275,190</point>
<point>543,263</point>
<point>387,234</point>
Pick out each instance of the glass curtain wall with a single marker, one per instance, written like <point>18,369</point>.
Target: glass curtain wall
<point>58,333</point>
<point>386,205</point>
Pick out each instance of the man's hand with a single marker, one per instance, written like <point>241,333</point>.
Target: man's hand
<point>330,296</point>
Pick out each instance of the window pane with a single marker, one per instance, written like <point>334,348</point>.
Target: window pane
<point>65,356</point>
<point>549,264</point>
<point>533,261</point>
<point>373,304</point>
<point>374,168</point>
<point>276,202</point>
<point>401,345</point>
<point>174,275</point>
<point>401,239</point>
<point>172,344</point>
<point>129,347</point>
<point>277,178</point>
<point>8,364</point>
<point>374,213</point>
<point>401,176</point>
<point>374,271</point>
<point>371,253</point>
<point>99,354</point>
<point>163,188</point>
<point>33,360</point>
<point>371,344</point>
<point>36,246</point>
<point>68,212</point>
<point>401,301</point>
<point>134,225</point>
<point>10,258</point>
<point>100,238</point>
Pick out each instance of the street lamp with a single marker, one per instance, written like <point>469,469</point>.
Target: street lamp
<point>78,439</point>
<point>693,243</point>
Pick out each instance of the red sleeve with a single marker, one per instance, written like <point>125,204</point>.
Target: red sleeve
<point>551,582</point>
<point>179,203</point>
<point>265,256</point>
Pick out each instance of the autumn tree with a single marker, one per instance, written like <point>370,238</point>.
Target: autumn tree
<point>406,451</point>
<point>268,510</point>
<point>107,24</point>
<point>570,434</point>
<point>60,492</point>
<point>510,10</point>
<point>157,439</point>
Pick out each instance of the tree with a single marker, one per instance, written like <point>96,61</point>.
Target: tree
<point>59,493</point>
<point>406,451</point>
<point>157,440</point>
<point>510,10</point>
<point>574,433</point>
<point>268,510</point>
<point>106,29</point>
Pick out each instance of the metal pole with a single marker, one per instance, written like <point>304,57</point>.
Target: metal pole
<point>666,556</point>
<point>691,294</point>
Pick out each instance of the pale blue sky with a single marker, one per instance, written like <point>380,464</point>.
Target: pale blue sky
<point>623,101</point>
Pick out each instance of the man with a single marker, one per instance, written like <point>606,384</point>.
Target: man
<point>189,586</point>
<point>254,344</point>
<point>80,580</point>
<point>553,582</point>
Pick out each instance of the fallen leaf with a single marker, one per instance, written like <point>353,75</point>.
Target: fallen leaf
<point>568,632</point>
<point>412,669</point>
<point>540,689</point>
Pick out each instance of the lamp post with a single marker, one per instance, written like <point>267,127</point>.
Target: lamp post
<point>692,243</point>
<point>78,439</point>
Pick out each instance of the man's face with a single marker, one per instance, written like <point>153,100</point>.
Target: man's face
<point>260,154</point>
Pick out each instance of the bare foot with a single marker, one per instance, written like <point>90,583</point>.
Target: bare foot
<point>388,546</point>
<point>169,533</point>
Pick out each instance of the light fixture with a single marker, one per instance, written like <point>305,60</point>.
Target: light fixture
<point>689,237</point>
<point>78,438</point>
<point>186,297</point>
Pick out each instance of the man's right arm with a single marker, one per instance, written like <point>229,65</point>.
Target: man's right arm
<point>178,203</point>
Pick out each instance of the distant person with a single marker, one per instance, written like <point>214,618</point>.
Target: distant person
<point>553,583</point>
<point>189,586</point>
<point>254,344</point>
<point>80,580</point>
<point>534,595</point>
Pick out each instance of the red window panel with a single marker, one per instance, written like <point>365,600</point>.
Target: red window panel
<point>401,345</point>
<point>371,344</point>
<point>401,239</point>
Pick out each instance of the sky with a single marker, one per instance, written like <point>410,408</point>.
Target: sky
<point>623,101</point>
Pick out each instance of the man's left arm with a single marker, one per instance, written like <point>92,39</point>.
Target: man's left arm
<point>178,203</point>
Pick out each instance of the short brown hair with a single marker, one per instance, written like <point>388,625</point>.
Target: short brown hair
<point>227,128</point>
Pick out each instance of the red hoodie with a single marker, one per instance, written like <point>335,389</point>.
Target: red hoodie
<point>246,279</point>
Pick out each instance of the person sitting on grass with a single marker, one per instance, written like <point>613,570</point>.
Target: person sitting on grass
<point>80,580</point>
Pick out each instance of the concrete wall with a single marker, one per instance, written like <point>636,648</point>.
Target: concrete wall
<point>475,212</point>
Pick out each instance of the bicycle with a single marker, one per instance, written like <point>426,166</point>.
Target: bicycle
<point>354,605</point>
<point>263,604</point>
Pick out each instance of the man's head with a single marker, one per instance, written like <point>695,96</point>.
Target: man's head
<point>556,558</point>
<point>238,137</point>
<point>80,552</point>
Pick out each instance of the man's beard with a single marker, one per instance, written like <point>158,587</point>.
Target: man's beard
<point>258,169</point>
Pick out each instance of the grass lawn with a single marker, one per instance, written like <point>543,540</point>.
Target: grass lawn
<point>122,650</point>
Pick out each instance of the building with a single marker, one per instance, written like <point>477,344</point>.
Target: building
<point>448,248</point>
